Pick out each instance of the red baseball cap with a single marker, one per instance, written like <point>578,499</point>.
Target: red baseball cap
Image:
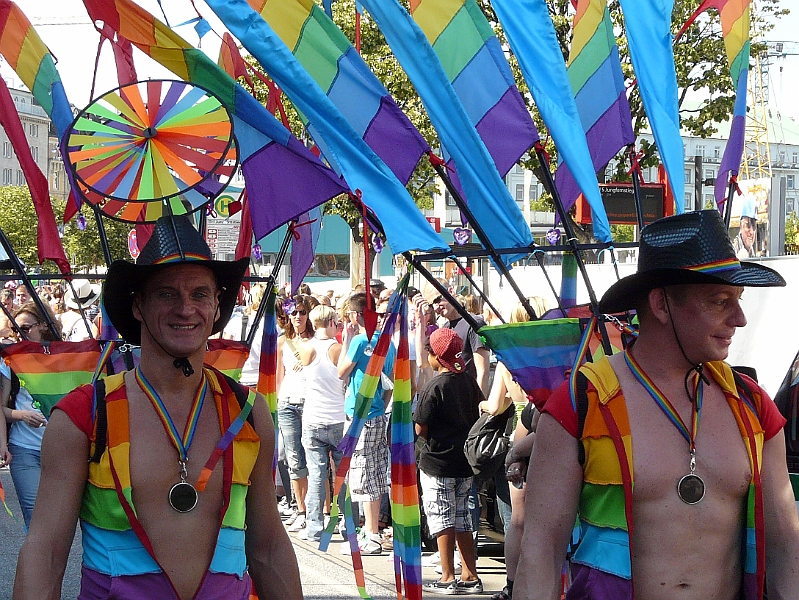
<point>448,349</point>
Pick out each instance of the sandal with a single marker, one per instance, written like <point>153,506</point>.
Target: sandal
<point>503,595</point>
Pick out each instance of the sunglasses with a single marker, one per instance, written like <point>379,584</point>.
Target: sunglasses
<point>438,299</point>
<point>26,329</point>
<point>299,313</point>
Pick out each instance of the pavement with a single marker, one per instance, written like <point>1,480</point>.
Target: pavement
<point>325,576</point>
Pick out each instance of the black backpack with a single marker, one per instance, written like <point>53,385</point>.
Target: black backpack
<point>488,441</point>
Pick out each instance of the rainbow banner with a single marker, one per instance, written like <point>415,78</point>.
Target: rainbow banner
<point>531,35</point>
<point>597,83</point>
<point>31,60</point>
<point>735,16</point>
<point>405,513</point>
<point>648,27</point>
<point>485,191</point>
<point>537,353</point>
<point>50,371</point>
<point>334,64</point>
<point>227,356</point>
<point>341,144</point>
<point>283,177</point>
<point>476,66</point>
<point>267,362</point>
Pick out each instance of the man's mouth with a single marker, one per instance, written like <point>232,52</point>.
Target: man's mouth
<point>183,327</point>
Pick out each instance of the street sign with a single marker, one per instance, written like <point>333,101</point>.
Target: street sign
<point>619,201</point>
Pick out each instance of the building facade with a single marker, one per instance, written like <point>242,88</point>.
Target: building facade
<point>36,124</point>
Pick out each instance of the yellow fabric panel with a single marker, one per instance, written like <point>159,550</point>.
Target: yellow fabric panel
<point>601,462</point>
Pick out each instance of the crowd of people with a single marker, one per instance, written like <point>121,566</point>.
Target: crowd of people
<point>715,519</point>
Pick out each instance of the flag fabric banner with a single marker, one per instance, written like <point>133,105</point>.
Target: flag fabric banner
<point>303,248</point>
<point>537,353</point>
<point>648,28</point>
<point>486,193</point>
<point>362,169</point>
<point>284,178</point>
<point>267,365</point>
<point>598,86</point>
<point>476,66</point>
<point>531,36</point>
<point>48,242</point>
<point>31,60</point>
<point>335,65</point>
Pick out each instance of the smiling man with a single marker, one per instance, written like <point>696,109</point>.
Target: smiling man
<point>653,450</point>
<point>176,499</point>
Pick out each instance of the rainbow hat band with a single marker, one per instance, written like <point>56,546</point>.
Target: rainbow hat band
<point>174,241</point>
<point>690,248</point>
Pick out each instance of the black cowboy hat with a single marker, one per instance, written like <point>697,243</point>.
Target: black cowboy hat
<point>174,241</point>
<point>685,249</point>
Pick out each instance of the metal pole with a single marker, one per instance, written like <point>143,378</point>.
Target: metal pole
<point>482,294</point>
<point>103,237</point>
<point>728,203</point>
<point>481,234</point>
<point>12,256</point>
<point>270,289</point>
<point>80,308</point>
<point>639,209</point>
<point>551,285</point>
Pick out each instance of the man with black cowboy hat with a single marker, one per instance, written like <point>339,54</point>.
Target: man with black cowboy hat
<point>674,464</point>
<point>189,449</point>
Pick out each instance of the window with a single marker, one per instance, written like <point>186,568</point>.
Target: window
<point>448,199</point>
<point>689,175</point>
<point>790,182</point>
<point>7,174</point>
<point>716,151</point>
<point>7,150</point>
<point>35,153</point>
<point>20,178</point>
<point>534,191</point>
<point>518,169</point>
<point>709,201</point>
<point>795,158</point>
<point>700,150</point>
<point>689,201</point>
<point>710,174</point>
<point>519,192</point>
<point>33,130</point>
<point>56,179</point>
<point>782,157</point>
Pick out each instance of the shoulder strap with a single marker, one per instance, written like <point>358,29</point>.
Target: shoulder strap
<point>241,395</point>
<point>582,412</point>
<point>101,420</point>
<point>745,392</point>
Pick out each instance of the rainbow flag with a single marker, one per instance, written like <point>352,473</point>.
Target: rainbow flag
<point>267,364</point>
<point>485,190</point>
<point>50,371</point>
<point>648,27</point>
<point>31,60</point>
<point>597,83</point>
<point>735,16</point>
<point>227,356</point>
<point>476,66</point>
<point>405,513</point>
<point>568,280</point>
<point>537,353</point>
<point>303,246</point>
<point>364,171</point>
<point>334,64</point>
<point>532,38</point>
<point>283,177</point>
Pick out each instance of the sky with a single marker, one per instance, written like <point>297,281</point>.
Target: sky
<point>75,47</point>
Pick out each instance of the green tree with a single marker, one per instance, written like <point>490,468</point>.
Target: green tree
<point>792,229</point>
<point>18,220</point>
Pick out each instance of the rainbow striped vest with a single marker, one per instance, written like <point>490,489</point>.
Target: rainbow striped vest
<point>113,549</point>
<point>605,507</point>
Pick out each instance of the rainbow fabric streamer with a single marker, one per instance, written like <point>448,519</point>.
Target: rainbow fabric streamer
<point>531,35</point>
<point>405,513</point>
<point>648,27</point>
<point>735,16</point>
<point>598,86</point>
<point>49,372</point>
<point>334,64</point>
<point>267,364</point>
<point>485,191</point>
<point>227,356</point>
<point>568,280</point>
<point>31,60</point>
<point>536,353</point>
<point>364,171</point>
<point>363,402</point>
<point>477,68</point>
<point>276,165</point>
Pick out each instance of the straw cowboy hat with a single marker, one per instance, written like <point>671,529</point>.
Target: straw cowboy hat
<point>85,295</point>
<point>685,249</point>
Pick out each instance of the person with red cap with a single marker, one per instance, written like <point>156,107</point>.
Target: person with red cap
<point>447,409</point>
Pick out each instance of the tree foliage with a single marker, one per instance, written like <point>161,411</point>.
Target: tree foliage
<point>18,220</point>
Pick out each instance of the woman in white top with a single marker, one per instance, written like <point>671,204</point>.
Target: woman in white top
<point>323,420</point>
<point>292,315</point>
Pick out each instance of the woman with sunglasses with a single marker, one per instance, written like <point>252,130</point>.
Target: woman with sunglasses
<point>292,315</point>
<point>20,409</point>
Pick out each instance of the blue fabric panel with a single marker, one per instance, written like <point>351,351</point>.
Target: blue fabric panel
<point>115,553</point>
<point>604,549</point>
<point>480,85</point>
<point>358,103</point>
<point>229,556</point>
<point>598,94</point>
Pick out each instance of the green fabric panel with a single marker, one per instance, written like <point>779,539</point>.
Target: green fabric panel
<point>593,54</point>
<point>741,62</point>
<point>54,383</point>
<point>479,20</point>
<point>603,505</point>
<point>237,511</point>
<point>317,54</point>
<point>46,76</point>
<point>530,334</point>
<point>458,44</point>
<point>207,74</point>
<point>331,32</point>
<point>101,508</point>
<point>750,507</point>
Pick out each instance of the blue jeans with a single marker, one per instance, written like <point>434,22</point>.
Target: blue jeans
<point>25,467</point>
<point>289,419</point>
<point>319,441</point>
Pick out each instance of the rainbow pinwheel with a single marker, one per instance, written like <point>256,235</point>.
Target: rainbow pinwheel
<point>150,148</point>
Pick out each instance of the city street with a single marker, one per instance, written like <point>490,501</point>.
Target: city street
<point>325,576</point>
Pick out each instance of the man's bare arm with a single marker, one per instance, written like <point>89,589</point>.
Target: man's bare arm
<point>782,522</point>
<point>554,481</point>
<point>271,558</point>
<point>44,554</point>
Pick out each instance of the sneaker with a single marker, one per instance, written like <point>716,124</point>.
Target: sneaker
<point>458,564</point>
<point>299,523</point>
<point>342,527</point>
<point>289,519</point>
<point>303,535</point>
<point>326,522</point>
<point>470,587</point>
<point>432,560</point>
<point>369,545</point>
<point>439,587</point>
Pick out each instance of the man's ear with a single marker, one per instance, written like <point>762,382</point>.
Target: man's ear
<point>658,304</point>
<point>135,309</point>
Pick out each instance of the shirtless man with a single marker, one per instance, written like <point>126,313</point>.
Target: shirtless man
<point>173,546</point>
<point>689,518</point>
